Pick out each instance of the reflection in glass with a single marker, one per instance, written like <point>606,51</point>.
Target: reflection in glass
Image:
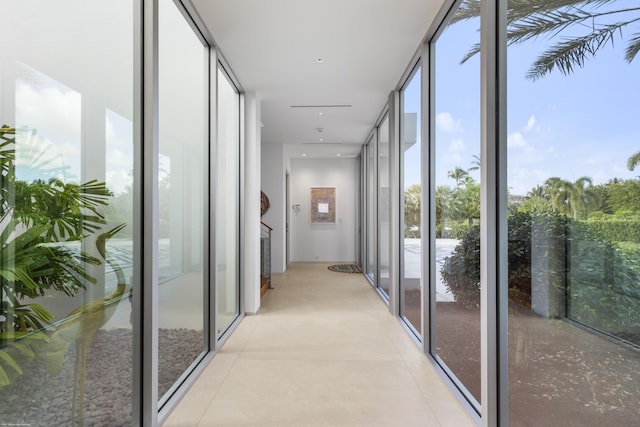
<point>411,277</point>
<point>66,215</point>
<point>457,203</point>
<point>370,186</point>
<point>228,204</point>
<point>181,192</point>
<point>574,275</point>
<point>384,201</point>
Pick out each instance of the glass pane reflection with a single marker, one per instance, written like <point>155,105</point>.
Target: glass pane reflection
<point>574,288</point>
<point>411,279</point>
<point>181,189</point>
<point>457,204</point>
<point>66,213</point>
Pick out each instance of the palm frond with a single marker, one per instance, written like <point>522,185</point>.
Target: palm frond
<point>475,49</point>
<point>633,161</point>
<point>565,56</point>
<point>521,9</point>
<point>633,48</point>
<point>550,22</point>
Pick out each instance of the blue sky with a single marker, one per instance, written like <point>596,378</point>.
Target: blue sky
<point>585,124</point>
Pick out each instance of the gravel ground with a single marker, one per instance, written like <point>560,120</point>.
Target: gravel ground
<point>38,399</point>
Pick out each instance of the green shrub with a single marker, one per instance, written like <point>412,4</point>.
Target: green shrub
<point>601,278</point>
<point>614,230</point>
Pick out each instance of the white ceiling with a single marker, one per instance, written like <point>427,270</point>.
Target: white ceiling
<point>273,47</point>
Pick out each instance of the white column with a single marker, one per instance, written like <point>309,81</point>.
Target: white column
<point>251,228</point>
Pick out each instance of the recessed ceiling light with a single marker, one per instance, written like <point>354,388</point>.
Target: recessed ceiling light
<point>339,155</point>
<point>321,139</point>
<point>321,113</point>
<point>320,60</point>
<point>304,155</point>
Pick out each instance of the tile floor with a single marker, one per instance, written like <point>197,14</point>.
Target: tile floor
<point>322,351</point>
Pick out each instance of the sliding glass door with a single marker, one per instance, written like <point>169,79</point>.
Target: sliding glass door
<point>227,214</point>
<point>411,280</point>
<point>182,194</point>
<point>384,207</point>
<point>574,221</point>
<point>370,268</point>
<point>69,212</point>
<point>456,187</point>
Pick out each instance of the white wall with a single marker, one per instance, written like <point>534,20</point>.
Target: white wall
<point>330,242</point>
<point>273,185</point>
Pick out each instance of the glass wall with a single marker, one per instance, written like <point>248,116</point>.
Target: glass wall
<point>411,178</point>
<point>574,217</point>
<point>67,212</point>
<point>370,216</point>
<point>227,203</point>
<point>384,206</point>
<point>457,203</point>
<point>182,192</point>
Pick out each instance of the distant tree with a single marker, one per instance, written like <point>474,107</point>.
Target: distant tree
<point>536,202</point>
<point>475,163</point>
<point>556,190</point>
<point>458,175</point>
<point>470,203</point>
<point>633,161</point>
<point>575,199</point>
<point>412,211</point>
<point>620,195</point>
<point>444,206</point>
<point>581,198</point>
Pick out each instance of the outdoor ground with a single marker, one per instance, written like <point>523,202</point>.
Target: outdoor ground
<point>559,374</point>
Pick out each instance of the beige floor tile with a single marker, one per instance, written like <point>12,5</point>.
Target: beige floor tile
<point>194,404</point>
<point>294,392</point>
<point>447,408</point>
<point>322,351</point>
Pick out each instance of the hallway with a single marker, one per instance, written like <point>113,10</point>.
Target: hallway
<point>322,351</point>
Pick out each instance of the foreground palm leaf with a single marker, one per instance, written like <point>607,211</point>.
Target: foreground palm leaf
<point>43,222</point>
<point>584,28</point>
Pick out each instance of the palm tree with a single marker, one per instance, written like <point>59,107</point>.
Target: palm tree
<point>537,191</point>
<point>633,161</point>
<point>458,174</point>
<point>584,27</point>
<point>571,198</point>
<point>475,163</point>
<point>444,206</point>
<point>556,189</point>
<point>412,210</point>
<point>581,197</point>
<point>39,218</point>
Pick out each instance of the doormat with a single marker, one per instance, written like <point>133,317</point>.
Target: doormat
<point>345,268</point>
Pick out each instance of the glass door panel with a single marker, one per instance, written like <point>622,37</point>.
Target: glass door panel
<point>182,187</point>
<point>411,233</point>
<point>384,206</point>
<point>228,204</point>
<point>370,185</point>
<point>457,202</point>
<point>67,213</point>
<point>574,280</point>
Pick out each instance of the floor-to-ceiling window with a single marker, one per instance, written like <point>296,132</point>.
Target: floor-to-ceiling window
<point>456,187</point>
<point>384,206</point>
<point>227,215</point>
<point>67,212</point>
<point>574,214</point>
<point>411,190</point>
<point>182,192</point>
<point>370,216</point>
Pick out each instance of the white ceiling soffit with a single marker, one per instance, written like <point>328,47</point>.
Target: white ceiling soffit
<point>274,48</point>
